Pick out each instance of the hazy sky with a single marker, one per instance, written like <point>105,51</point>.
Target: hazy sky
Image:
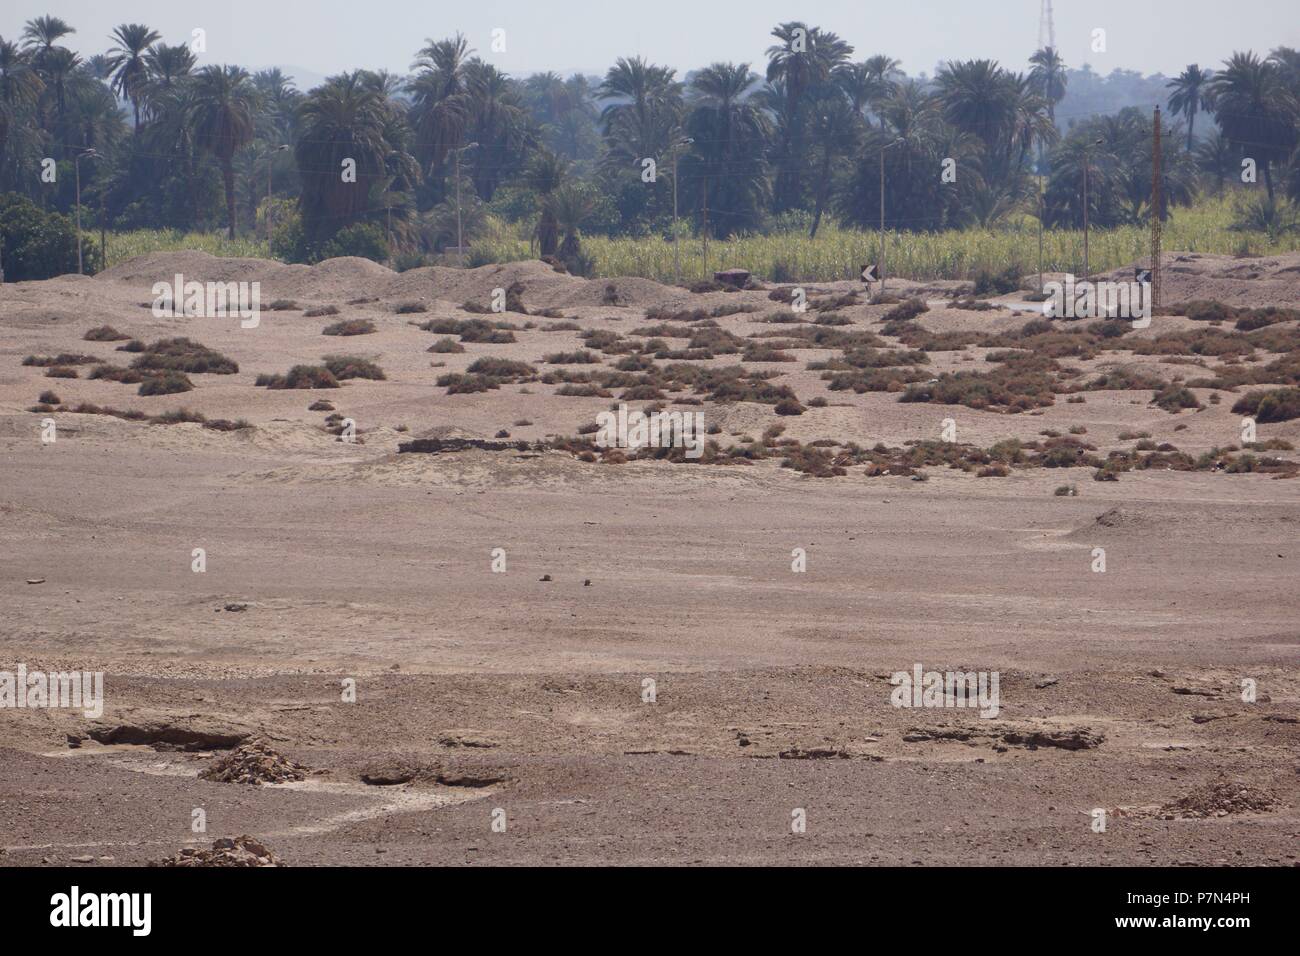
<point>316,37</point>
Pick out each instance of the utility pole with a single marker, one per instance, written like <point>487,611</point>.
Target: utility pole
<point>1087,163</point>
<point>270,159</point>
<point>704,205</point>
<point>1040,225</point>
<point>76,166</point>
<point>882,211</point>
<point>460,239</point>
<point>1157,209</point>
<point>677,259</point>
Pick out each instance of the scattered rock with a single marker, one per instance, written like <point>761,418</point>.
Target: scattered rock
<point>1219,800</point>
<point>813,753</point>
<point>241,851</point>
<point>1047,682</point>
<point>1076,738</point>
<point>389,772</point>
<point>163,734</point>
<point>235,607</point>
<point>35,580</point>
<point>544,577</point>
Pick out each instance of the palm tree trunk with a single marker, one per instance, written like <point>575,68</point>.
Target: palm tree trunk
<point>228,176</point>
<point>1191,125</point>
<point>1268,180</point>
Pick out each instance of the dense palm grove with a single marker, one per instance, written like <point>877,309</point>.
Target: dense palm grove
<point>787,145</point>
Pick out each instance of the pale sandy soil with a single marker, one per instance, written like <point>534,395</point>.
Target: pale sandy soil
<point>504,691</point>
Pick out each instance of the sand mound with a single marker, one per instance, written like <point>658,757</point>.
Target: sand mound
<point>241,851</point>
<point>254,764</point>
<point>1253,282</point>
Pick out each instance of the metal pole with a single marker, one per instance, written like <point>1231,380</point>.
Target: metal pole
<point>1040,229</point>
<point>1157,208</point>
<point>76,165</point>
<point>677,258</point>
<point>1085,214</point>
<point>882,219</point>
<point>270,158</point>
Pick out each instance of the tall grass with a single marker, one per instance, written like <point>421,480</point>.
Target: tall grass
<point>836,253</point>
<point>120,246</point>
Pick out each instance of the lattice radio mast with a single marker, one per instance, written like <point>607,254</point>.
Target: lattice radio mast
<point>1046,27</point>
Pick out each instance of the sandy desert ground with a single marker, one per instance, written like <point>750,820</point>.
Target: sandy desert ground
<point>518,696</point>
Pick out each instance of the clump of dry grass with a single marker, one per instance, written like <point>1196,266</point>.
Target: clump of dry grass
<point>62,359</point>
<point>350,327</point>
<point>473,330</point>
<point>300,376</point>
<point>104,333</point>
<point>116,373</point>
<point>166,383</point>
<point>317,311</point>
<point>906,310</point>
<point>446,346</point>
<point>352,366</point>
<point>1276,405</point>
<point>579,357</point>
<point>183,355</point>
<point>1174,398</point>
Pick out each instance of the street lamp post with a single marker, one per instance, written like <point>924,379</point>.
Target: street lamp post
<point>270,159</point>
<point>882,211</point>
<point>76,166</point>
<point>460,241</point>
<point>1087,164</point>
<point>677,259</point>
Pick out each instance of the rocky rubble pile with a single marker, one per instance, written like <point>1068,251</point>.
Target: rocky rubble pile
<point>1218,800</point>
<point>241,851</point>
<point>253,763</point>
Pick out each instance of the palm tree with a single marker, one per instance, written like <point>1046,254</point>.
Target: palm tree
<point>1191,94</point>
<point>569,206</point>
<point>645,112</point>
<point>1216,157</point>
<point>129,60</point>
<point>978,97</point>
<point>803,62</point>
<point>168,65</point>
<point>222,119</point>
<point>1048,77</point>
<point>867,83</point>
<point>545,176</point>
<point>20,87</point>
<point>346,118</point>
<point>1255,110</point>
<point>729,130</point>
<point>498,123</point>
<point>41,34</point>
<point>441,104</point>
<point>60,67</point>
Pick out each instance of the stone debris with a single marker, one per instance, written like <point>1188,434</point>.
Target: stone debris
<point>254,763</point>
<point>1218,800</point>
<point>241,851</point>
